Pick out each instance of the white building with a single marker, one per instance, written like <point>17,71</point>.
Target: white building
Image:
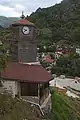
<point>58,54</point>
<point>72,85</point>
<point>78,51</point>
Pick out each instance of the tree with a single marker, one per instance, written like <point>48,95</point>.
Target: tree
<point>63,20</point>
<point>5,34</point>
<point>4,56</point>
<point>45,36</point>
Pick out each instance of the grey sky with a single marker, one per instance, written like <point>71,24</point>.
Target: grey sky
<point>14,7</point>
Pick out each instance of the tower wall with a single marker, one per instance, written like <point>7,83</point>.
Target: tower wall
<point>14,44</point>
<point>23,47</point>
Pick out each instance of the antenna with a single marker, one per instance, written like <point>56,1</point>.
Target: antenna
<point>22,16</point>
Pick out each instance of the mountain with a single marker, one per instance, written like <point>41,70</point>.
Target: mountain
<point>6,21</point>
<point>1,27</point>
<point>61,22</point>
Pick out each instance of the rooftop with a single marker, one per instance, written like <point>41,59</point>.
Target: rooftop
<point>48,59</point>
<point>26,73</point>
<point>23,22</point>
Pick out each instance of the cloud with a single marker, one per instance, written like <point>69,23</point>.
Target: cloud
<point>14,7</point>
<point>6,11</point>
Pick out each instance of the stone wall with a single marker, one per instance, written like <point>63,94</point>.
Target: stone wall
<point>11,86</point>
<point>23,48</point>
<point>46,106</point>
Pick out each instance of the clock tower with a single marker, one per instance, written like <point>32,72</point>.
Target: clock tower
<point>24,44</point>
<point>23,76</point>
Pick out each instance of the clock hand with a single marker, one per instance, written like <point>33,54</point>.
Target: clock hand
<point>25,29</point>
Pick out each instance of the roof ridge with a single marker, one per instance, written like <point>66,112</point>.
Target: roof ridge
<point>23,22</point>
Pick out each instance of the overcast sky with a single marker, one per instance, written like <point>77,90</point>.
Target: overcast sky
<point>14,8</point>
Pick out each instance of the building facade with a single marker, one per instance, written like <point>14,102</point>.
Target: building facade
<point>23,76</point>
<point>23,47</point>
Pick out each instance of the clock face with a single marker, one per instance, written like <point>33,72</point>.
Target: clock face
<point>25,30</point>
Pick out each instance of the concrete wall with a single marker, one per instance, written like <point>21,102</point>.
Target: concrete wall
<point>11,86</point>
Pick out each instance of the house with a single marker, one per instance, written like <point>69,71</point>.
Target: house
<point>58,54</point>
<point>48,59</point>
<point>78,51</point>
<point>28,81</point>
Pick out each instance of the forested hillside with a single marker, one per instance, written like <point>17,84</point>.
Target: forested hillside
<point>60,22</point>
<point>6,21</point>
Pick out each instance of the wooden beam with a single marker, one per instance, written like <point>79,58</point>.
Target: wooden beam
<point>39,92</point>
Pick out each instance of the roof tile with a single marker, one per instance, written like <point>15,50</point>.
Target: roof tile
<point>26,73</point>
<point>23,22</point>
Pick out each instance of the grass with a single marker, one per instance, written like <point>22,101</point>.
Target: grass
<point>14,109</point>
<point>64,107</point>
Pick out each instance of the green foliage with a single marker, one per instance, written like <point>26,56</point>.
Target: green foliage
<point>63,20</point>
<point>16,109</point>
<point>44,64</point>
<point>4,57</point>
<point>5,35</point>
<point>45,36</point>
<point>64,108</point>
<point>68,66</point>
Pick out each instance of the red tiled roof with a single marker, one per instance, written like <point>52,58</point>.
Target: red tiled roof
<point>48,59</point>
<point>26,73</point>
<point>23,22</point>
